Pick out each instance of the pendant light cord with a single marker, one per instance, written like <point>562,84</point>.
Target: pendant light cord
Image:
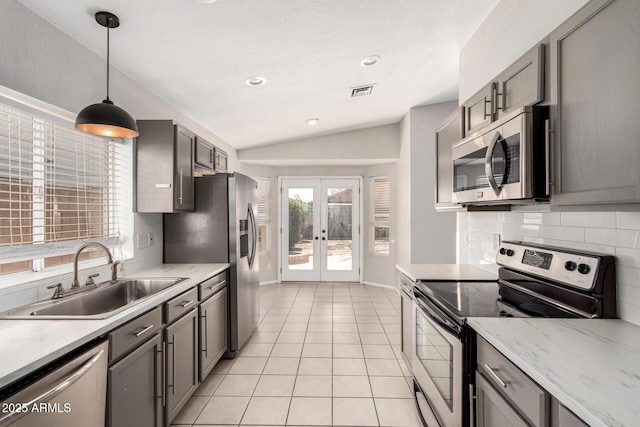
<point>108,25</point>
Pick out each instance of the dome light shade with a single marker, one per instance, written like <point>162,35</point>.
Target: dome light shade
<point>105,119</point>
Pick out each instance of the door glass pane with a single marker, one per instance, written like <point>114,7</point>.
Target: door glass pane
<point>300,229</point>
<point>339,233</point>
<point>436,355</point>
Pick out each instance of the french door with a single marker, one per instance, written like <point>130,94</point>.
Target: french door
<point>320,226</point>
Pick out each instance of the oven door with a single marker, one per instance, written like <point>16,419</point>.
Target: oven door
<point>437,361</point>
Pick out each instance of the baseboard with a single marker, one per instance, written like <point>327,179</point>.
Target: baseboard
<point>270,282</point>
<point>379,285</point>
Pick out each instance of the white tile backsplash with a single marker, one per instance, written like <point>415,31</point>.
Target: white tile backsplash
<point>615,233</point>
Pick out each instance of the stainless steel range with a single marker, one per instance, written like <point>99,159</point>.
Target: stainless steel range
<point>533,281</point>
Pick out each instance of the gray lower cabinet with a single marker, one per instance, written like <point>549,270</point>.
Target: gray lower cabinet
<point>595,105</point>
<point>135,387</point>
<point>213,331</point>
<point>504,392</point>
<point>493,410</point>
<point>181,343</point>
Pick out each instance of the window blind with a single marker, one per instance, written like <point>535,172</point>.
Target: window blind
<point>264,200</point>
<point>379,215</point>
<point>58,187</point>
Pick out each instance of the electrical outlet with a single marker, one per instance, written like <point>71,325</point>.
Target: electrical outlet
<point>268,266</point>
<point>141,241</point>
<point>496,241</point>
<point>151,239</point>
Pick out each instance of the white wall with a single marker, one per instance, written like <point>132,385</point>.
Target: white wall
<point>423,236</point>
<point>512,27</point>
<point>377,144</point>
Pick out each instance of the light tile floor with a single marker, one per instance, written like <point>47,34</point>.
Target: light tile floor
<point>323,354</point>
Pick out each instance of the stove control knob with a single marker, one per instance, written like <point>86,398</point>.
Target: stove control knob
<point>570,265</point>
<point>510,252</point>
<point>584,269</point>
<point>503,251</point>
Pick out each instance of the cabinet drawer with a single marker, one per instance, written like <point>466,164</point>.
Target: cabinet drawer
<point>132,334</point>
<point>213,285</point>
<point>180,305</point>
<point>530,400</point>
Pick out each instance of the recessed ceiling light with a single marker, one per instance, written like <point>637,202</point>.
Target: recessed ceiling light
<point>313,122</point>
<point>256,81</point>
<point>370,60</point>
<point>206,1</point>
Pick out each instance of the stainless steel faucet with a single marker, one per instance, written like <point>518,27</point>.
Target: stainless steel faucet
<point>114,265</point>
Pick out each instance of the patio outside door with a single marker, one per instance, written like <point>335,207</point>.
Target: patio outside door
<point>320,230</point>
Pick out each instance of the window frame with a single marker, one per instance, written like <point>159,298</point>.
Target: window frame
<point>263,219</point>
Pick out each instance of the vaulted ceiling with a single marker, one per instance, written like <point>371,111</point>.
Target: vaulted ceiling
<point>198,54</point>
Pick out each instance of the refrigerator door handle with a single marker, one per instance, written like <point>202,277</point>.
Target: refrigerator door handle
<point>254,236</point>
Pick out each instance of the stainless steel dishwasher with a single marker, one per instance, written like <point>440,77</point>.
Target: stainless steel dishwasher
<point>70,392</point>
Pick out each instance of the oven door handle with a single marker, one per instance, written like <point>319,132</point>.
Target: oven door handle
<point>441,320</point>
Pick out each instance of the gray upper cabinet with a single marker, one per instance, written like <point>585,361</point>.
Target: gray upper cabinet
<point>595,105</point>
<point>204,155</point>
<point>221,160</point>
<point>449,132</point>
<point>521,84</point>
<point>479,109</point>
<point>163,167</point>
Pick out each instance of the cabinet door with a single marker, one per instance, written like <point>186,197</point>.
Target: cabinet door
<point>221,160</point>
<point>492,409</point>
<point>595,104</point>
<point>183,194</point>
<point>522,83</point>
<point>204,154</point>
<point>479,110</point>
<point>181,363</point>
<point>566,418</point>
<point>213,331</point>
<point>135,387</point>
<point>450,132</point>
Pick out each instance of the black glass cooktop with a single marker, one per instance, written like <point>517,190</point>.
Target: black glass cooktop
<point>464,299</point>
<point>486,299</point>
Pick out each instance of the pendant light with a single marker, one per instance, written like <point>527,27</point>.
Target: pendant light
<point>106,119</point>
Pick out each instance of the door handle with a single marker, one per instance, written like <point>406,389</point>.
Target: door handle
<point>488,163</point>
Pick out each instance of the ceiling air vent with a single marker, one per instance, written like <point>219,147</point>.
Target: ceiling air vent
<point>362,90</point>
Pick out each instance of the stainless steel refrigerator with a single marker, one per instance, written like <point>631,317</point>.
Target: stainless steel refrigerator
<point>222,228</point>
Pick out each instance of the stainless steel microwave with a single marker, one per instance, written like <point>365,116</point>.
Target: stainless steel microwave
<point>506,163</point>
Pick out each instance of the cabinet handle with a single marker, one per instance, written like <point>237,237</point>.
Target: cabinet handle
<point>212,287</point>
<point>143,331</point>
<point>495,375</point>
<point>204,337</point>
<point>180,196</point>
<point>547,156</point>
<point>173,368</point>
<point>161,382</point>
<point>186,304</point>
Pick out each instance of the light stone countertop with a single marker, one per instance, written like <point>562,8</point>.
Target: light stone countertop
<point>592,366</point>
<point>26,345</point>
<point>446,272</point>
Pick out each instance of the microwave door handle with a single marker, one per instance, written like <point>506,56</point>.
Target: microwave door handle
<point>488,166</point>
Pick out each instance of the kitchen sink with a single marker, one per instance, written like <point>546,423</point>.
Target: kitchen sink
<point>107,299</point>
